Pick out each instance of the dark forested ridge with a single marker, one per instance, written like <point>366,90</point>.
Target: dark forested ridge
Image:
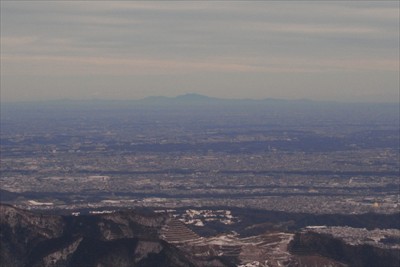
<point>327,246</point>
<point>123,239</point>
<point>137,238</point>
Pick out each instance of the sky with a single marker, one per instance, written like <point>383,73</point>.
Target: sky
<point>326,50</point>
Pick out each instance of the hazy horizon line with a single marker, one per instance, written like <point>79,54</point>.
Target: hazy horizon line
<point>204,96</point>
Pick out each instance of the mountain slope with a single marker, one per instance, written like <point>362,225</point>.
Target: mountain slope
<point>119,239</point>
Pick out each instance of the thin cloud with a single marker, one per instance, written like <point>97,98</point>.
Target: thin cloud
<point>58,65</point>
<point>326,40</point>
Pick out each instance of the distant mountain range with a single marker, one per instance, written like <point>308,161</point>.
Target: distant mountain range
<point>192,99</point>
<point>185,98</point>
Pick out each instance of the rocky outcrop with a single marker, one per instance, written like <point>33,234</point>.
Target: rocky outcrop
<point>310,243</point>
<point>21,231</point>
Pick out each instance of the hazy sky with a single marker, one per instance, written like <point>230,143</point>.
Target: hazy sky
<point>346,51</point>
